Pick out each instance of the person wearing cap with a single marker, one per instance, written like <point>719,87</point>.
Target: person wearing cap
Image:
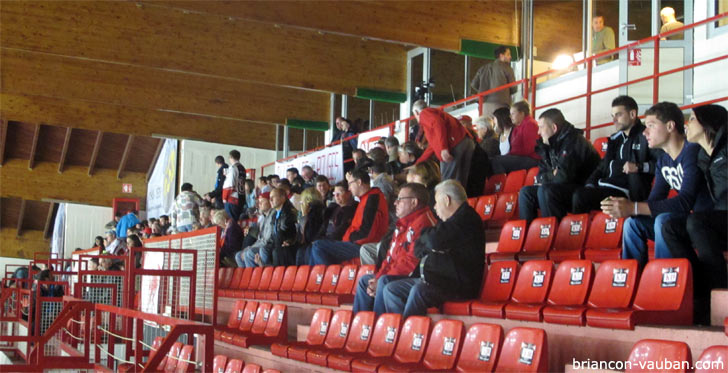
<point>261,248</point>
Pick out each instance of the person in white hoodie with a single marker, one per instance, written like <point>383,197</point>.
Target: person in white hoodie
<point>233,188</point>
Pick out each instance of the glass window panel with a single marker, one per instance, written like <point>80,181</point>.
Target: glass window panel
<point>447,69</point>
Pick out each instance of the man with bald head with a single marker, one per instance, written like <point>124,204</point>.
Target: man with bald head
<point>669,22</point>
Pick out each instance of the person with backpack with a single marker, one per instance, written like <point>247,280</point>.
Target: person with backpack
<point>233,190</point>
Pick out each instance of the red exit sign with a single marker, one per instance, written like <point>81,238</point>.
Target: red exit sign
<point>126,188</point>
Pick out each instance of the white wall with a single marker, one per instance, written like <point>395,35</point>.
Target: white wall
<point>708,83</point>
<point>83,223</point>
<point>4,260</point>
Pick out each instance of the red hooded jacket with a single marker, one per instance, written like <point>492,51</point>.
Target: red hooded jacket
<point>401,259</point>
<point>371,219</point>
<point>442,131</point>
<point>524,137</point>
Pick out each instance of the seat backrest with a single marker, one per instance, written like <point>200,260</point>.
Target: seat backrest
<point>236,314</point>
<point>289,278</point>
<point>218,364</point>
<point>514,181</point>
<point>572,282</point>
<point>155,347</point>
<point>277,321</point>
<point>237,275</point>
<point>361,332</point>
<point>713,359</point>
<point>234,366</point>
<point>571,233</point>
<point>224,278</point>
<point>315,278</point>
<point>506,206</point>
<point>265,278</point>
<point>659,351</point>
<point>523,350</point>
<point>665,285</point>
<point>248,316</point>
<point>363,270</point>
<point>255,278</point>
<point>605,232</point>
<point>531,176</point>
<point>261,318</point>
<point>534,280</point>
<point>485,206</point>
<point>277,278</point>
<point>614,284</point>
<point>185,355</point>
<point>480,348</point>
<point>499,281</point>
<point>331,279</point>
<point>412,340</point>
<point>540,235</point>
<point>172,356</point>
<point>338,329</point>
<point>512,236</point>
<point>319,326</point>
<point>472,201</point>
<point>600,144</point>
<point>494,184</point>
<point>299,284</point>
<point>442,349</point>
<point>244,279</point>
<point>384,337</point>
<point>252,368</point>
<point>346,279</point>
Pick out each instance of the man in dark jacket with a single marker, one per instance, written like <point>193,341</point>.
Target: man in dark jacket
<point>628,167</point>
<point>284,229</point>
<point>452,257</point>
<point>216,195</point>
<point>567,159</point>
<point>338,216</point>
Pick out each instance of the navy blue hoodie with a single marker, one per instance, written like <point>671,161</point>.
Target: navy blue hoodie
<point>683,175</point>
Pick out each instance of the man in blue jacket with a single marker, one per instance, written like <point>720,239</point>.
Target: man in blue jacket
<point>127,221</point>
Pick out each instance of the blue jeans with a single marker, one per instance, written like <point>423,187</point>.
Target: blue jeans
<point>233,211</point>
<point>637,230</point>
<point>185,228</point>
<point>246,257</point>
<point>332,252</point>
<point>411,297</point>
<point>364,302</point>
<point>303,255</point>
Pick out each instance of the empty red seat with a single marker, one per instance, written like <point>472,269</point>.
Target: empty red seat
<point>244,279</point>
<point>184,359</point>
<point>529,294</point>
<point>409,350</point>
<point>289,278</point>
<point>172,357</point>
<point>531,176</point>
<point>359,338</point>
<point>569,241</point>
<point>514,181</point>
<point>486,206</point>
<point>524,350</point>
<point>480,348</point>
<point>315,279</point>
<point>569,290</point>
<point>539,238</point>
<point>443,346</point>
<point>316,335</point>
<point>218,363</point>
<point>713,360</point>
<point>231,280</point>
<point>271,293</point>
<point>344,286</point>
<point>298,285</point>
<point>510,242</point>
<point>472,201</point>
<point>236,315</point>
<point>224,278</point>
<point>255,277</point>
<point>494,184</point>
<point>264,283</point>
<point>496,292</point>
<point>604,239</point>
<point>234,366</point>
<point>506,207</point>
<point>335,338</point>
<point>328,286</point>
<point>246,323</point>
<point>651,355</point>
<point>600,144</point>
<point>237,276</point>
<point>252,368</point>
<point>613,289</point>
<point>270,326</point>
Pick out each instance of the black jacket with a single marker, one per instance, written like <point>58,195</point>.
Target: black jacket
<point>217,192</point>
<point>568,152</point>
<point>284,230</point>
<point>623,148</point>
<point>312,227</point>
<point>452,254</point>
<point>338,219</point>
<point>715,168</point>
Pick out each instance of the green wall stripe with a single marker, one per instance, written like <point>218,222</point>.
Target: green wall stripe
<point>481,49</point>
<point>384,96</point>
<point>307,124</point>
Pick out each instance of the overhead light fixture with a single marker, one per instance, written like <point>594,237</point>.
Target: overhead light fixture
<point>562,61</point>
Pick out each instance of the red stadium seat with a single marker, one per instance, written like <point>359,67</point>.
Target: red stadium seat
<point>363,270</point>
<point>315,279</point>
<point>264,283</point>
<point>600,144</point>
<point>472,201</point>
<point>335,338</point>
<point>486,206</point>
<point>604,239</point>
<point>244,279</point>
<point>531,176</point>
<point>271,371</point>
<point>224,277</point>
<point>298,285</point>
<point>648,352</point>
<point>514,181</point>
<point>569,290</point>
<point>261,318</point>
<point>316,335</point>
<point>218,363</point>
<point>569,241</point>
<point>506,208</point>
<point>155,347</point>
<point>539,238</point>
<point>328,286</point>
<point>613,289</point>
<point>442,349</point>
<point>529,294</point>
<point>237,276</point>
<point>252,368</point>
<point>246,324</point>
<point>480,348</point>
<point>172,357</point>
<point>271,293</point>
<point>234,366</point>
<point>236,315</point>
<point>357,343</point>
<point>409,350</point>
<point>510,242</point>
<point>289,278</point>
<point>183,362</point>
<point>496,292</point>
<point>257,274</point>
<point>712,359</point>
<point>270,326</point>
<point>277,326</point>
<point>342,293</point>
<point>524,350</point>
<point>494,184</point>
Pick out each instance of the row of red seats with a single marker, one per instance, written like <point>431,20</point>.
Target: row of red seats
<point>178,359</point>
<point>332,285</point>
<point>336,341</point>
<point>223,364</point>
<point>252,323</point>
<point>678,354</point>
<point>577,237</point>
<point>574,295</point>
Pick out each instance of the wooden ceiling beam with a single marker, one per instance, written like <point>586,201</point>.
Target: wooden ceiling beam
<point>3,139</point>
<point>64,150</point>
<point>33,147</point>
<point>153,163</point>
<point>21,247</point>
<point>21,217</point>
<point>161,37</point>
<point>48,229</point>
<point>125,156</point>
<point>95,153</point>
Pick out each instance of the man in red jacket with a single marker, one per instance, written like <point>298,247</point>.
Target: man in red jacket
<point>448,141</point>
<point>369,224</point>
<point>396,254</point>
<point>523,139</point>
